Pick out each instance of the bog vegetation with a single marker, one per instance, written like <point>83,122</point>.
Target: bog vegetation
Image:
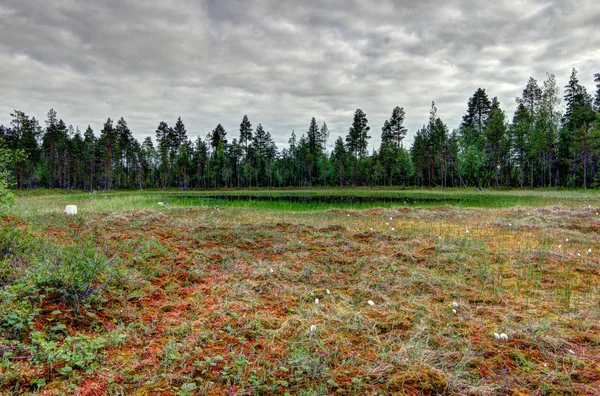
<point>539,147</point>
<point>205,295</point>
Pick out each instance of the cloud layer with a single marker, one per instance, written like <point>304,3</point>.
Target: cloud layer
<point>282,62</point>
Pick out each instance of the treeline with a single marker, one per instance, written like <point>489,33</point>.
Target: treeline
<point>538,147</point>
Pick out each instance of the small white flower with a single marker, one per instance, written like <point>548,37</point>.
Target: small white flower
<point>571,351</point>
<point>328,292</point>
<point>510,224</point>
<point>393,229</point>
<point>559,246</point>
<point>503,336</point>
<point>439,237</point>
<point>271,270</point>
<point>455,304</point>
<point>497,336</point>
<point>370,302</point>
<point>348,215</point>
<point>391,219</point>
<point>371,229</point>
<point>567,240</point>
<point>468,232</point>
<point>313,328</point>
<point>316,300</point>
<point>589,251</point>
<point>387,223</point>
<point>578,254</point>
<point>454,310</point>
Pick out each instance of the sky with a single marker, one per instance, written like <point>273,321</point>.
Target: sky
<point>282,62</point>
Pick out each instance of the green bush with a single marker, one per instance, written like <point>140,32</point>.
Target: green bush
<point>34,271</point>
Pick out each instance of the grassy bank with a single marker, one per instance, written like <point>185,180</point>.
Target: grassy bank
<point>131,298</point>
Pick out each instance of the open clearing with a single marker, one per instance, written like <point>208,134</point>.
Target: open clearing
<point>131,298</point>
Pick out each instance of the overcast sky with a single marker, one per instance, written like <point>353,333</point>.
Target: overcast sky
<point>282,62</point>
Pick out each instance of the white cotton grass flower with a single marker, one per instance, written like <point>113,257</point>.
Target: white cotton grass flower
<point>504,337</point>
<point>370,302</point>
<point>560,246</point>
<point>391,219</point>
<point>271,270</point>
<point>316,301</point>
<point>328,292</point>
<point>578,254</point>
<point>567,240</point>
<point>454,311</point>
<point>371,229</point>
<point>468,232</point>
<point>313,328</point>
<point>589,251</point>
<point>497,336</point>
<point>393,229</point>
<point>387,223</point>
<point>455,304</point>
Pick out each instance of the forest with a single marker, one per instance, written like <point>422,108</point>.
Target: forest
<point>552,140</point>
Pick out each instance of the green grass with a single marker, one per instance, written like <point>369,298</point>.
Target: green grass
<point>31,202</point>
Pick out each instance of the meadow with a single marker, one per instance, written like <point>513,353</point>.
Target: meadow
<point>398,292</point>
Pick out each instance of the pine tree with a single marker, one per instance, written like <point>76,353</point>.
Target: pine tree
<point>597,99</point>
<point>396,125</point>
<point>314,147</point>
<point>23,137</point>
<point>324,135</point>
<point>180,133</point>
<point>218,136</point>
<point>478,111</point>
<point>438,140</point>
<point>89,155</point>
<point>547,124</point>
<point>123,150</point>
<point>387,152</point>
<point>357,139</point>
<point>521,129</point>
<point>106,143</point>
<point>495,141</point>
<point>163,139</point>
<point>339,157</point>
<point>532,94</point>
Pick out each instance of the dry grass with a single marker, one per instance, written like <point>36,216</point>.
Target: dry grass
<point>221,301</point>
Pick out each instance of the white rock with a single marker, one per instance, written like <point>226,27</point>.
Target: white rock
<point>71,210</point>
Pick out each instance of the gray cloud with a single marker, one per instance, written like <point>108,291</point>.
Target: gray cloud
<point>282,62</point>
